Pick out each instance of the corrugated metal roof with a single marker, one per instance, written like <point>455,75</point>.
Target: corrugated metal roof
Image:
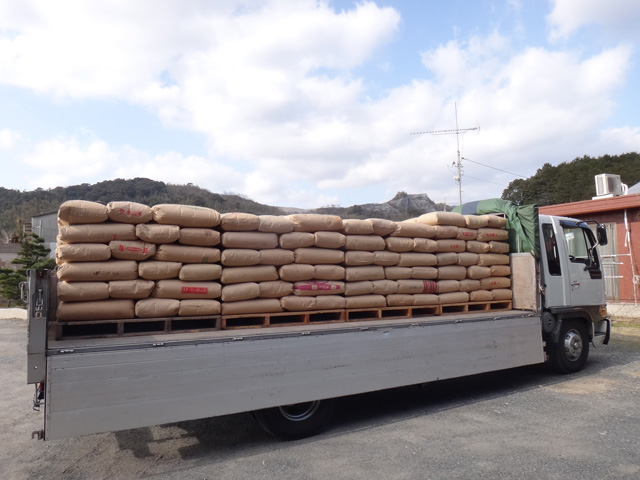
<point>593,206</point>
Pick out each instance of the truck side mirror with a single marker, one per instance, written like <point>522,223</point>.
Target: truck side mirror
<point>601,232</point>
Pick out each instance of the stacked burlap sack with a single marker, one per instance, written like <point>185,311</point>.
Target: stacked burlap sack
<point>127,260</point>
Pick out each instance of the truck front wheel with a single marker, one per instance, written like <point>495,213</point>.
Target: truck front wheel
<point>570,353</point>
<point>291,422</point>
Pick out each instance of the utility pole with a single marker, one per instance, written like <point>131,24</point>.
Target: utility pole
<point>458,162</point>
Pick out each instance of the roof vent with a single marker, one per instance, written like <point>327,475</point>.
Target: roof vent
<point>608,185</point>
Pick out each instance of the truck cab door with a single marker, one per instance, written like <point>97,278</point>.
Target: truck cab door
<point>585,284</point>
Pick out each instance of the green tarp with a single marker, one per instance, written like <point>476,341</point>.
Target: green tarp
<point>522,221</point>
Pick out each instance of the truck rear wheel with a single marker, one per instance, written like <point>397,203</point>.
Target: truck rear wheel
<point>570,353</point>
<point>292,422</point>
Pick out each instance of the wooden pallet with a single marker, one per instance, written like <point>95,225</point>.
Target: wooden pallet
<point>388,313</point>
<point>493,306</point>
<point>133,326</point>
<point>279,319</point>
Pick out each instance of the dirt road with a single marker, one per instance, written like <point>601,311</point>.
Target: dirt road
<point>522,423</point>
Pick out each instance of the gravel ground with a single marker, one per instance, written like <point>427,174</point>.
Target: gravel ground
<point>521,423</point>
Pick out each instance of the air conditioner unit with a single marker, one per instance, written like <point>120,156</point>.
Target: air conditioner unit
<point>608,185</point>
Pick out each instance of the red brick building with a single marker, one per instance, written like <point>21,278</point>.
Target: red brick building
<point>621,257</point>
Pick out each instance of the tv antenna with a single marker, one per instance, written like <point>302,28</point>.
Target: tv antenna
<point>458,162</point>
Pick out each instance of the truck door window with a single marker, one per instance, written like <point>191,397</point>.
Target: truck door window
<point>580,245</point>
<point>551,247</point>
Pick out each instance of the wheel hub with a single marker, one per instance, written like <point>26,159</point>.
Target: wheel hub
<point>573,345</point>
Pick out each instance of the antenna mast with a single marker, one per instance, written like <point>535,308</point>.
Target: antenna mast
<point>458,162</point>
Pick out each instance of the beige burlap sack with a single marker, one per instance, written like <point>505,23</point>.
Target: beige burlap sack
<point>199,237</point>
<point>399,244</point>
<point>452,272</point>
<point>157,307</point>
<point>257,306</point>
<point>476,272</point>
<point>467,234</point>
<point>476,221</point>
<point>489,259</point>
<point>312,222</point>
<point>365,301</point>
<point>491,283</point>
<point>451,245</point>
<point>82,291</point>
<point>448,286</point>
<point>184,254</point>
<point>239,222</point>
<point>466,259</point>
<point>257,273</point>
<point>382,227</point>
<point>179,289</point>
<point>498,247</point>
<point>494,221</point>
<point>369,272</point>
<point>110,309</point>
<point>424,273</point>
<point>198,272</point>
<point>369,243</point>
<point>415,259</point>
<point>445,231</point>
<point>501,294</point>
<point>239,257</point>
<point>353,226</point>
<point>443,218</point>
<point>495,234</point>
<point>253,240</point>
<point>397,273</point>
<point>357,258</point>
<point>480,296</point>
<point>133,289</point>
<point>385,258</point>
<point>414,230</point>
<point>275,289</point>
<point>276,256</point>
<point>500,270</point>
<point>295,303</point>
<point>129,212</point>
<point>329,239</point>
<point>477,247</point>
<point>384,287</point>
<point>81,211</point>
<point>425,299</point>
<point>446,258</point>
<point>468,285</point>
<point>96,232</point>
<point>155,233</point>
<point>82,252</point>
<point>240,291</point>
<point>295,240</point>
<point>275,224</point>
<point>98,271</point>
<point>316,287</point>
<point>318,256</point>
<point>330,302</point>
<point>425,245</point>
<point>131,250</point>
<point>414,287</point>
<point>329,272</point>
<point>154,270</point>
<point>185,215</point>
<point>364,287</point>
<point>399,300</point>
<point>453,298</point>
<point>196,308</point>
<point>296,272</point>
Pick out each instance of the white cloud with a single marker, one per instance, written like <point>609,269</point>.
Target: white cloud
<point>616,17</point>
<point>8,139</point>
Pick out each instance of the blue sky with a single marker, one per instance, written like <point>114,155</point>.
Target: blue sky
<point>310,103</point>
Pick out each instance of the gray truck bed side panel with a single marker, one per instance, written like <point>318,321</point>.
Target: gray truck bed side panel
<point>98,391</point>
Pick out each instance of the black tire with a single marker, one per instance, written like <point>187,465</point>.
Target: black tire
<point>570,354</point>
<point>292,422</point>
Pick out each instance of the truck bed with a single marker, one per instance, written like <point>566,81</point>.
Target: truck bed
<point>108,384</point>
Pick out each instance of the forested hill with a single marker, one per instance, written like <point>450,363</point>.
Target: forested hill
<point>572,181</point>
<point>15,205</point>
